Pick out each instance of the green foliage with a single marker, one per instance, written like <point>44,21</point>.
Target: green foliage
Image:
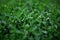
<point>29,20</point>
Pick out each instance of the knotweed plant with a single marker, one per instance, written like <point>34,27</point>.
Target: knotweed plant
<point>29,20</point>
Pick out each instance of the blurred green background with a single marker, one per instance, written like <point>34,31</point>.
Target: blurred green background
<point>29,19</point>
